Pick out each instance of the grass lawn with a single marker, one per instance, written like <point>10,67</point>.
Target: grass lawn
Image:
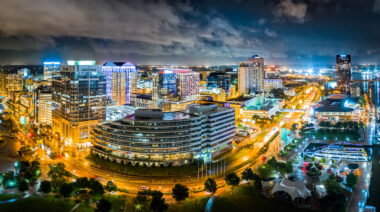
<point>246,198</point>
<point>4,197</point>
<point>117,201</point>
<point>190,205</point>
<point>40,204</point>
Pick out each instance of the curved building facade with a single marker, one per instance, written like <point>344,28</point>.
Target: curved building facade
<point>154,137</point>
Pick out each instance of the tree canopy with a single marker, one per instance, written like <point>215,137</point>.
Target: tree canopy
<point>180,192</point>
<point>232,179</point>
<point>210,185</point>
<point>247,174</point>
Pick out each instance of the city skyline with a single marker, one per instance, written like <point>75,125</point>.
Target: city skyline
<point>189,105</point>
<point>189,32</point>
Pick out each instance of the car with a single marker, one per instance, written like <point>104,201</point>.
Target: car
<point>144,188</point>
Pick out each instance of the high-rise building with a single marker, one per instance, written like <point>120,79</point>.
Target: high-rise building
<point>49,68</point>
<point>10,82</point>
<point>188,87</point>
<point>119,81</point>
<point>270,84</point>
<point>79,100</point>
<point>172,90</point>
<point>251,75</point>
<point>343,71</point>
<point>42,99</point>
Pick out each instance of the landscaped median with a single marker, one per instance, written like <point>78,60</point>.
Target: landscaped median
<point>141,171</point>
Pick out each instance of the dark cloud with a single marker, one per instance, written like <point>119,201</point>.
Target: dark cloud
<point>189,32</point>
<point>295,11</point>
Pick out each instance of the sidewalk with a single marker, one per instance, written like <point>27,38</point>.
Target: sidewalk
<point>360,194</point>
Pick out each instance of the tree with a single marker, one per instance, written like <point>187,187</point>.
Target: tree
<point>210,185</point>
<point>23,186</point>
<point>9,179</point>
<point>96,187</point>
<point>111,187</point>
<point>294,127</point>
<point>265,171</point>
<point>278,93</point>
<point>157,203</point>
<point>332,186</point>
<point>140,201</point>
<point>180,192</point>
<point>58,170</point>
<point>232,179</point>
<point>258,183</point>
<point>82,182</point>
<point>351,180</point>
<point>335,197</point>
<point>45,187</point>
<point>56,183</point>
<point>66,189</point>
<point>247,174</point>
<point>103,205</point>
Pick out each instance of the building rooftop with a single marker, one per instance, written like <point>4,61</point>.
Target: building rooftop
<point>337,103</point>
<point>195,110</point>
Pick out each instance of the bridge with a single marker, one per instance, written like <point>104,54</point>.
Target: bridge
<point>366,80</point>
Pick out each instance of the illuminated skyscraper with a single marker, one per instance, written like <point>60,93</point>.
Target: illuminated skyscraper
<point>79,100</point>
<point>49,68</point>
<point>343,71</point>
<point>10,82</point>
<point>42,100</point>
<point>251,75</point>
<point>172,90</point>
<point>119,81</point>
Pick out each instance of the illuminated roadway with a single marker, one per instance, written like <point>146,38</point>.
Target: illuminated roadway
<point>252,158</point>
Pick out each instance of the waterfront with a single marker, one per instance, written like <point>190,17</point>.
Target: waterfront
<point>372,89</point>
<point>374,189</point>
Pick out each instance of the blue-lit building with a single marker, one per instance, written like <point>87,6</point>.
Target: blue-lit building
<point>343,71</point>
<point>119,81</point>
<point>79,101</point>
<point>49,68</point>
<point>220,80</point>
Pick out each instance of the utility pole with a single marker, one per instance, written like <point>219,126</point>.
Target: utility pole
<point>206,170</point>
<point>198,171</point>
<point>202,169</point>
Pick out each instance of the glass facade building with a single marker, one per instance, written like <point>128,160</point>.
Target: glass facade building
<point>119,81</point>
<point>79,94</point>
<point>343,71</point>
<point>154,137</point>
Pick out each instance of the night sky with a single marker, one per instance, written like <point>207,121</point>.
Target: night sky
<point>189,32</point>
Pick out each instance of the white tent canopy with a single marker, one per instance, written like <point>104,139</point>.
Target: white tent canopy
<point>294,189</point>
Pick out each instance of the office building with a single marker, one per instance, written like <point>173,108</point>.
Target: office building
<point>79,101</point>
<point>49,68</point>
<point>343,71</point>
<point>172,90</point>
<point>11,82</point>
<point>355,90</point>
<point>42,100</point>
<point>251,75</point>
<point>119,81</point>
<point>155,138</point>
<point>270,84</point>
<point>338,107</point>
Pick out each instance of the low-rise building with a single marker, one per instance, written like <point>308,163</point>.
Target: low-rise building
<point>270,84</point>
<point>153,137</point>
<point>338,107</point>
